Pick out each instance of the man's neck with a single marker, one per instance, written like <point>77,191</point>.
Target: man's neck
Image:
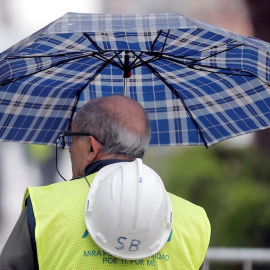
<point>95,166</point>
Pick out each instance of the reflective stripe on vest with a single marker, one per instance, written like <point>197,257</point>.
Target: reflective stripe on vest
<point>64,243</point>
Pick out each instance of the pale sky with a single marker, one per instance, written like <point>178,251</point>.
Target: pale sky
<point>28,16</point>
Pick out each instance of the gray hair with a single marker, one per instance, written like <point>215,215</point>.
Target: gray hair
<point>113,127</point>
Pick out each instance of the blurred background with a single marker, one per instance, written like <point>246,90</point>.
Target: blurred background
<point>230,180</point>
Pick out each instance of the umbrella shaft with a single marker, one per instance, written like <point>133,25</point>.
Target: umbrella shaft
<point>125,86</point>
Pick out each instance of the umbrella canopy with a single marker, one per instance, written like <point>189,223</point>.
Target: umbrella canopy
<point>199,84</point>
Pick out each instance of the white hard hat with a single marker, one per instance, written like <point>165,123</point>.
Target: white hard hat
<point>128,212</point>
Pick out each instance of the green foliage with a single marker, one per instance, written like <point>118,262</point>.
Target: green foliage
<point>231,184</point>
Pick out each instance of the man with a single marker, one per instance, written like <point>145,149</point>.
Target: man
<point>51,231</point>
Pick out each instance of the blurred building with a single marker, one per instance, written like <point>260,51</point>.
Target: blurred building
<point>228,14</point>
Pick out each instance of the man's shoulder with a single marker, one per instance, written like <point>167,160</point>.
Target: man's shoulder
<point>181,201</point>
<point>64,191</point>
<point>60,185</point>
<point>186,211</point>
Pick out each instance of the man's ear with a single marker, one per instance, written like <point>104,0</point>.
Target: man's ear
<point>94,147</point>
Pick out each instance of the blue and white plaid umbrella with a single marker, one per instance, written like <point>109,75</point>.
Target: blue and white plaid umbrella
<point>199,84</point>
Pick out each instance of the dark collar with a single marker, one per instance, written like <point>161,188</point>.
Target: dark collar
<point>97,165</point>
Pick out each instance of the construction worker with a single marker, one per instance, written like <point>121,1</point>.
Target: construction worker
<point>115,213</point>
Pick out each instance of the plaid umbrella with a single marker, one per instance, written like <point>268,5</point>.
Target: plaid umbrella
<point>199,84</point>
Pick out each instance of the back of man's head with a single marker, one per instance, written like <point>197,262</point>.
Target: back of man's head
<point>120,122</point>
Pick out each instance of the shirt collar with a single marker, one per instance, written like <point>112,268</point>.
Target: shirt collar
<point>97,165</point>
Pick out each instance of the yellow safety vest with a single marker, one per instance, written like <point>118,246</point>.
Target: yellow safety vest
<point>63,241</point>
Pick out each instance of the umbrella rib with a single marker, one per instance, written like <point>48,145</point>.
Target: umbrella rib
<point>104,59</point>
<point>94,54</point>
<point>48,55</point>
<point>131,66</point>
<point>244,73</point>
<point>228,49</point>
<point>101,51</point>
<point>121,62</point>
<point>155,72</point>
<point>164,43</point>
<point>182,101</point>
<point>146,62</point>
<point>87,83</point>
<point>143,62</point>
<point>154,43</point>
<point>137,57</point>
<point>30,74</point>
<point>191,66</point>
<point>163,55</point>
<point>92,42</point>
<point>207,49</point>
